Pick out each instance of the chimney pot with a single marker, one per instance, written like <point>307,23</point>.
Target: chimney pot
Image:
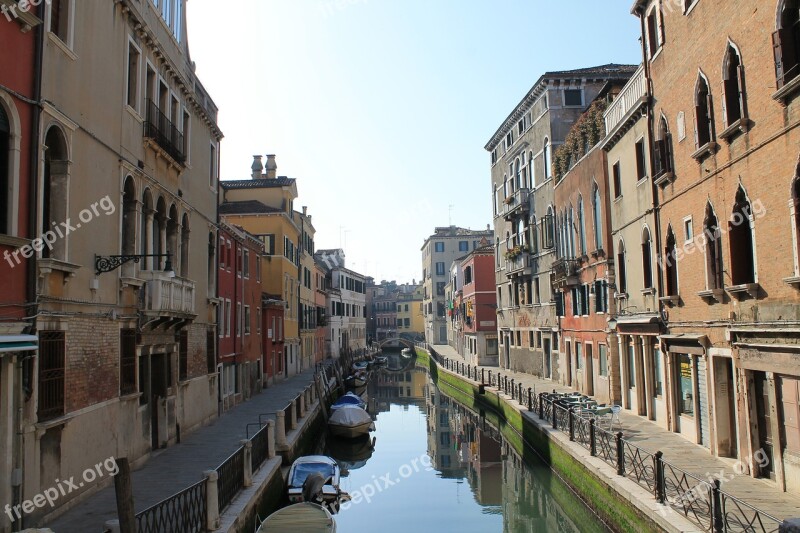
<point>272,167</point>
<point>256,167</point>
<point>305,210</point>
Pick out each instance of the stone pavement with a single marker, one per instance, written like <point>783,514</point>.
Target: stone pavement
<point>678,451</point>
<point>171,470</point>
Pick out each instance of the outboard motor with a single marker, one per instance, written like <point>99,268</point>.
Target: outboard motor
<point>312,488</point>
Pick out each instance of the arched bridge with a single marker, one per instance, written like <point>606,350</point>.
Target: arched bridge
<point>396,343</point>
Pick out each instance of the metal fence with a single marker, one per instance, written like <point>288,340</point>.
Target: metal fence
<point>185,512</point>
<point>231,478</point>
<point>699,500</point>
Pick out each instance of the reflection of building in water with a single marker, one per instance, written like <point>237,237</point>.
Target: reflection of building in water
<point>442,444</point>
<point>480,450</point>
<point>405,388</point>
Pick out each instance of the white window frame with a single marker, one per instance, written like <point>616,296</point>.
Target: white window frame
<point>688,236</point>
<point>564,97</point>
<point>66,46</point>
<point>136,108</point>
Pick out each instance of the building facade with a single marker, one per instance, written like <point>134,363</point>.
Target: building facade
<point>126,347</point>
<point>264,206</point>
<point>479,303</point>
<point>307,294</point>
<point>18,171</point>
<point>410,318</point>
<point>239,326</point>
<point>346,304</point>
<point>725,166</point>
<point>521,153</point>
<point>438,253</point>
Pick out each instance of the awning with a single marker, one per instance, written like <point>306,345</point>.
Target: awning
<point>18,343</point>
<point>640,324</point>
<point>637,319</point>
<point>688,343</point>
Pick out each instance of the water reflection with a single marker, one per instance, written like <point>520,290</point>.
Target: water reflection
<point>437,465</point>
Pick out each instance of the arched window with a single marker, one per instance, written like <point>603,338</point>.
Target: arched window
<point>597,215</point>
<point>185,245</point>
<point>571,232</point>
<point>517,175</point>
<point>548,231</point>
<point>212,264</point>
<point>582,225</point>
<point>647,259</point>
<point>653,25</point>
<point>159,233</point>
<point>534,241</point>
<point>5,172</point>
<point>505,186</point>
<point>531,171</point>
<point>622,277</point>
<point>663,152</point>
<point>173,245</point>
<point>670,254</point>
<point>129,221</point>
<point>796,220</point>
<point>733,82</point>
<point>546,158</point>
<point>740,231</point>
<point>713,235</point>
<point>704,115</point>
<point>56,188</point>
<point>786,42</point>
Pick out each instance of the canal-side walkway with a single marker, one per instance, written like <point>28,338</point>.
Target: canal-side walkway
<point>678,451</point>
<point>173,469</point>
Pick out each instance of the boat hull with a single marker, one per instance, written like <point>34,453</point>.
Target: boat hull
<point>350,432</point>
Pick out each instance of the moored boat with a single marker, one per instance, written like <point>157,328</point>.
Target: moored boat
<point>306,466</point>
<point>299,518</point>
<point>350,421</point>
<point>349,399</point>
<point>406,353</point>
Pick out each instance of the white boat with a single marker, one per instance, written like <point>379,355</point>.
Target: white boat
<point>406,352</point>
<point>299,518</point>
<point>350,421</point>
<point>303,467</point>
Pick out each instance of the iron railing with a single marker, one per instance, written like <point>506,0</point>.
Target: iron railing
<point>260,448</point>
<point>184,512</point>
<point>701,502</point>
<point>159,127</point>
<point>231,478</point>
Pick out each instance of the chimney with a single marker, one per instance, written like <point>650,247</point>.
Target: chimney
<point>487,227</point>
<point>272,167</point>
<point>257,167</point>
<point>305,210</point>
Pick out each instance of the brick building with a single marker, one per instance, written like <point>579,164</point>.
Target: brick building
<point>273,311</point>
<point>479,307</point>
<point>724,78</point>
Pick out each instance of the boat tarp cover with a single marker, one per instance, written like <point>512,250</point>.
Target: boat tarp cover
<point>299,518</point>
<point>350,416</point>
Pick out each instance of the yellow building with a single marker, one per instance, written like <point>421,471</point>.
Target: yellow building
<point>410,316</point>
<point>306,275</point>
<point>264,206</point>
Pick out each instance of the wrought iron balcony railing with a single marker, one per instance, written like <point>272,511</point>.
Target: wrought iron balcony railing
<point>517,203</point>
<point>159,127</point>
<point>565,273</point>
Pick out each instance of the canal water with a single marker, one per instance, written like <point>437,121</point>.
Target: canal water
<point>437,465</point>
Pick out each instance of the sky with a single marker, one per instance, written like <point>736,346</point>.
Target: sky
<point>380,109</point>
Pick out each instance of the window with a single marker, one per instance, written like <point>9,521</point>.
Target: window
<point>647,260</point>
<point>573,97</point>
<point>712,233</point>
<point>127,361</point>
<point>597,215</point>
<point>536,292</point>
<point>600,296</point>
<point>212,166</point>
<point>663,150</point>
<point>463,246</point>
<point>52,353</point>
<point>546,155</point>
<point>786,43</point>
<point>671,251</point>
<point>796,218</point>
<point>133,75</point>
<point>733,81</point>
<point>582,225</point>
<point>183,354</point>
<point>578,355</point>
<point>60,15</point>
<point>602,351</point>
<point>440,269</point>
<point>509,140</point>
<point>560,304</point>
<point>246,263</point>
<point>227,318</point>
<point>247,320</point>
<point>685,370</point>
<point>439,246</point>
<point>621,274</point>
<point>641,166</point>
<point>703,113</point>
<point>548,229</point>
<point>688,232</point>
<point>617,175</point>
<point>657,365</point>
<point>740,239</point>
<point>467,276</point>
<point>5,176</point>
<point>654,40</point>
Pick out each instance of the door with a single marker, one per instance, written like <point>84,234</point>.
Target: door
<point>159,382</point>
<point>548,368</point>
<point>570,369</point>
<point>507,351</point>
<point>630,372</point>
<point>589,369</point>
<point>702,400</point>
<point>724,404</point>
<point>764,423</point>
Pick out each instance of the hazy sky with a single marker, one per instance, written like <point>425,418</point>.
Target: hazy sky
<point>381,108</point>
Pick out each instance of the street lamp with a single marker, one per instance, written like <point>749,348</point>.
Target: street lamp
<point>108,263</point>
<point>612,324</point>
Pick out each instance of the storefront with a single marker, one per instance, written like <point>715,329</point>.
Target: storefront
<point>687,361</point>
<point>641,366</point>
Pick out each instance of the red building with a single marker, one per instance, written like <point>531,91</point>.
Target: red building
<point>480,304</point>
<point>18,245</point>
<point>320,296</point>
<point>273,309</point>
<point>240,323</point>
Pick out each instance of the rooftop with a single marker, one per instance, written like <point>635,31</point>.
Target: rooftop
<point>246,207</point>
<point>261,183</point>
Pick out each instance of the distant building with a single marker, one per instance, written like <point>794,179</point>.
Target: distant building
<point>438,253</point>
<point>346,304</point>
<point>410,318</point>
<point>479,308</point>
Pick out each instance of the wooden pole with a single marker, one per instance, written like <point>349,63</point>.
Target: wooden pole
<point>124,490</point>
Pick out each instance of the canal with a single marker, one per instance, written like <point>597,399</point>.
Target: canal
<point>438,465</point>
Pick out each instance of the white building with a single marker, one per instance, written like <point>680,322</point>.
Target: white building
<point>346,292</point>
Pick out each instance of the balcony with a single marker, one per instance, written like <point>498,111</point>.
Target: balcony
<point>565,273</point>
<point>521,265</point>
<point>517,204</point>
<point>159,129</point>
<point>166,296</point>
<point>630,99</point>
